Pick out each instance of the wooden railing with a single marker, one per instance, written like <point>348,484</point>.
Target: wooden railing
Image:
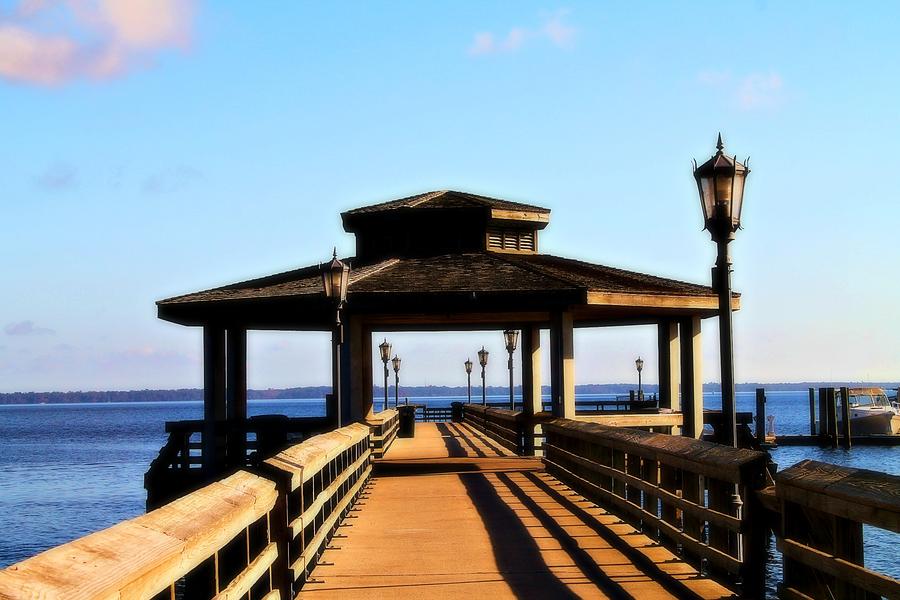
<point>823,508</point>
<point>502,425</point>
<point>250,535</point>
<point>434,414</point>
<point>318,481</point>
<point>384,430</point>
<point>179,467</point>
<point>696,497</point>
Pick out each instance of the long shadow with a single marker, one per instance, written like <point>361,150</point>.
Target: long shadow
<point>454,447</point>
<point>460,434</point>
<point>485,440</point>
<point>579,555</point>
<point>641,560</point>
<point>516,552</point>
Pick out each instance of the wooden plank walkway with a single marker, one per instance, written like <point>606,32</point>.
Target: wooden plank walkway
<point>451,513</point>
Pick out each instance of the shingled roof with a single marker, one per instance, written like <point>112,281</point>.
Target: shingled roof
<point>445,199</point>
<point>455,273</point>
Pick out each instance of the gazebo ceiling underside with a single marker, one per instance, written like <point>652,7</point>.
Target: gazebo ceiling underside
<point>449,291</point>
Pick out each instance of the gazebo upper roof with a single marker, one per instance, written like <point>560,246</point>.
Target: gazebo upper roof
<point>446,199</point>
<point>446,257</point>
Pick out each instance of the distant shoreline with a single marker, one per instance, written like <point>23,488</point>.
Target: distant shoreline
<point>318,392</point>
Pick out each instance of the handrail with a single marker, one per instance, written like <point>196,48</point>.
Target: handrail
<point>384,427</point>
<point>660,482</point>
<point>193,538</point>
<point>318,480</point>
<point>258,530</point>
<point>504,426</point>
<point>823,508</point>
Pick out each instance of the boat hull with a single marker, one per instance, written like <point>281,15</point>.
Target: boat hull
<point>880,423</point>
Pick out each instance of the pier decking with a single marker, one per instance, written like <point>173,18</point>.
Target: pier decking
<point>451,513</point>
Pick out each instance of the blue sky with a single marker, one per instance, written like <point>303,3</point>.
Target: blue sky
<point>159,147</point>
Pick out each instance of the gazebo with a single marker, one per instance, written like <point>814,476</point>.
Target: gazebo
<point>449,260</point>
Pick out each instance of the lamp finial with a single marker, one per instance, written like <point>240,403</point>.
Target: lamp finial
<point>719,145</point>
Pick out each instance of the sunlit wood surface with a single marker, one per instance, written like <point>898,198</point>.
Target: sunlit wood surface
<point>452,514</point>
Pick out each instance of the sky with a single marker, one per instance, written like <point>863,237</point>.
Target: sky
<point>158,147</point>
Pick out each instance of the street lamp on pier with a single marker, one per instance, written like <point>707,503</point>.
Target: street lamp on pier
<point>720,182</point>
<point>335,278</point>
<point>468,365</point>
<point>512,338</point>
<point>396,362</point>
<point>385,349</point>
<point>482,360</point>
<point>639,365</point>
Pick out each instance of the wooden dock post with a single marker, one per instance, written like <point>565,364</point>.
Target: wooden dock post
<point>761,415</point>
<point>823,415</point>
<point>845,417</point>
<point>812,411</point>
<point>832,418</point>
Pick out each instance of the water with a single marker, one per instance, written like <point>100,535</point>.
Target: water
<point>67,470</point>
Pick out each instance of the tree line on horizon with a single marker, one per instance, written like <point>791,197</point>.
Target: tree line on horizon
<point>309,392</point>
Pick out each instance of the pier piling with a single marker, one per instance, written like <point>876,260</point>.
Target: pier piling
<point>812,411</point>
<point>831,400</point>
<point>761,415</point>
<point>845,417</point>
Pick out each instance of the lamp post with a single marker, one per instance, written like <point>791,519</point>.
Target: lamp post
<point>720,182</point>
<point>468,365</point>
<point>396,362</point>
<point>639,365</point>
<point>511,336</point>
<point>482,360</point>
<point>335,280</point>
<point>385,350</point>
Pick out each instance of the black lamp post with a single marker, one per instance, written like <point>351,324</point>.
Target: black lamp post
<point>468,365</point>
<point>396,362</point>
<point>720,182</point>
<point>335,280</point>
<point>639,365</point>
<point>511,336</point>
<point>482,360</point>
<point>385,350</point>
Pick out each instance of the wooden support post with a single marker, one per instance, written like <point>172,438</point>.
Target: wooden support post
<point>358,340</point>
<point>531,384</point>
<point>812,411</point>
<point>214,407</point>
<point>832,418</point>
<point>562,365</point>
<point>691,377</point>
<point>236,394</point>
<point>845,417</point>
<point>823,415</point>
<point>669,364</point>
<point>760,416</point>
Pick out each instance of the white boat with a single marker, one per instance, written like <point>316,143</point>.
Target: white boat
<point>872,413</point>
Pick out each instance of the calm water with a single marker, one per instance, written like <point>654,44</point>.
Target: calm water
<point>68,470</point>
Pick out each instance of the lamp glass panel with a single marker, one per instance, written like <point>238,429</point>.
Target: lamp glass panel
<point>326,283</point>
<point>707,198</point>
<point>723,191</point>
<point>385,349</point>
<point>737,200</point>
<point>396,361</point>
<point>345,282</point>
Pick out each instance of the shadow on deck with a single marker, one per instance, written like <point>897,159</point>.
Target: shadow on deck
<point>451,513</point>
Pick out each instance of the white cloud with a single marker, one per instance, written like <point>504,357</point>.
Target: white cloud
<point>26,328</point>
<point>752,91</point>
<point>51,43</point>
<point>552,29</point>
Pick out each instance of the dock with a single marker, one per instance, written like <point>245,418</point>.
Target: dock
<point>466,517</point>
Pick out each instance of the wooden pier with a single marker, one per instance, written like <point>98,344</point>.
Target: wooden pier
<point>452,513</point>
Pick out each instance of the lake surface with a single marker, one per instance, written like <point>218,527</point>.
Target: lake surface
<point>69,469</point>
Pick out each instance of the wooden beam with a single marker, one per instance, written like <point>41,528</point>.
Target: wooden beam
<point>635,419</point>
<point>214,402</point>
<point>562,365</point>
<point>658,300</point>
<point>691,376</point>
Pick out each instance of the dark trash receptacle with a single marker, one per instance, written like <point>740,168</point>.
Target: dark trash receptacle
<point>407,425</point>
<point>456,414</point>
